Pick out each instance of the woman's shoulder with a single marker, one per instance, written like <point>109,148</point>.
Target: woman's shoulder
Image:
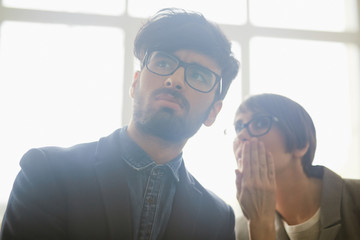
<point>352,190</point>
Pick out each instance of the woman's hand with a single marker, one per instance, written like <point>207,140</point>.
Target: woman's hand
<point>255,183</point>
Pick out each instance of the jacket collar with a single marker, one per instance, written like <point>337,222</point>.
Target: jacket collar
<point>184,217</point>
<point>139,160</point>
<point>112,180</point>
<point>330,218</point>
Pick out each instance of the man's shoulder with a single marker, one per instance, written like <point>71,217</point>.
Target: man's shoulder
<point>80,157</point>
<point>210,199</point>
<point>57,155</point>
<point>213,197</point>
<point>79,153</point>
<point>215,218</point>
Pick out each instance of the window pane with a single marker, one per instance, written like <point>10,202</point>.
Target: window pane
<point>225,11</point>
<point>209,156</point>
<point>59,85</point>
<point>106,7</point>
<point>315,74</point>
<point>327,15</point>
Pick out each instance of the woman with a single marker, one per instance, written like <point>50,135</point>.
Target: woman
<point>282,195</point>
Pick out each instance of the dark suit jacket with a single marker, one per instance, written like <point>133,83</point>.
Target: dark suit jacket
<point>81,193</point>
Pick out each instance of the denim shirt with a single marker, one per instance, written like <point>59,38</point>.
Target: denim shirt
<point>152,188</point>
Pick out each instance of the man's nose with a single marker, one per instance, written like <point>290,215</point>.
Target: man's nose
<point>176,80</point>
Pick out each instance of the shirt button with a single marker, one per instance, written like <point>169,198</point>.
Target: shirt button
<point>151,200</point>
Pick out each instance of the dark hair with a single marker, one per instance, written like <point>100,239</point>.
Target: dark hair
<point>294,122</point>
<point>172,29</point>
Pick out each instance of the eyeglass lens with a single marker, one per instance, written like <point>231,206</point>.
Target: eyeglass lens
<point>256,127</point>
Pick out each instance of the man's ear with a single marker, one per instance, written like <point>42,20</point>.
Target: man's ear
<point>299,153</point>
<point>213,113</point>
<point>134,83</point>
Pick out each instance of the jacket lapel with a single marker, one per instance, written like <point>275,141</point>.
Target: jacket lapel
<point>185,212</point>
<point>112,180</point>
<point>330,217</point>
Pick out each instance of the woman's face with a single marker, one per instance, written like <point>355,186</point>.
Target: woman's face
<point>273,140</point>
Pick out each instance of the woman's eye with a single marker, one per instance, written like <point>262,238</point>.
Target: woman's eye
<point>261,123</point>
<point>239,127</point>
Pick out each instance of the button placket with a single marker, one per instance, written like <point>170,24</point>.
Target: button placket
<point>151,198</point>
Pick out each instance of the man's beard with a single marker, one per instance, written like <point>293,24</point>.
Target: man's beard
<point>164,122</point>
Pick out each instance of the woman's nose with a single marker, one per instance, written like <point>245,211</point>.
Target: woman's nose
<point>243,135</point>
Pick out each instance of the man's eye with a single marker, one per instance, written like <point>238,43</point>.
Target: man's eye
<point>198,77</point>
<point>163,64</point>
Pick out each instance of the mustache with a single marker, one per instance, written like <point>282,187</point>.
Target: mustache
<point>176,95</point>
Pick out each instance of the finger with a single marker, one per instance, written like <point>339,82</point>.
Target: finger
<point>235,144</point>
<point>263,168</point>
<point>238,183</point>
<point>270,168</point>
<point>240,165</point>
<point>237,153</point>
<point>236,148</point>
<point>254,156</point>
<point>245,156</point>
<point>239,177</point>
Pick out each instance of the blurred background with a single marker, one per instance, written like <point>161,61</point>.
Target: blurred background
<point>66,68</point>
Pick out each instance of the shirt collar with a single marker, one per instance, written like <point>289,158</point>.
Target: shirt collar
<point>174,166</point>
<point>139,160</point>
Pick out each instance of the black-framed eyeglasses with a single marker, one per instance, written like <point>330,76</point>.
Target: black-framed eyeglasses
<point>196,76</point>
<point>256,127</point>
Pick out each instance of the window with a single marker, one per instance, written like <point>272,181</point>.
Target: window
<point>315,74</point>
<point>322,15</point>
<point>59,85</point>
<point>103,7</point>
<point>66,67</point>
<point>214,10</point>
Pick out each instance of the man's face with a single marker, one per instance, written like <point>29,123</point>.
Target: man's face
<point>166,107</point>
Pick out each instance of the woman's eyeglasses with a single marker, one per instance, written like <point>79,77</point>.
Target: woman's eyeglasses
<point>256,127</point>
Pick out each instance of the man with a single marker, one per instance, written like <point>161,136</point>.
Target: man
<point>133,184</point>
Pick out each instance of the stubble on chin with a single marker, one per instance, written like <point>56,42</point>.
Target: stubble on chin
<point>165,123</point>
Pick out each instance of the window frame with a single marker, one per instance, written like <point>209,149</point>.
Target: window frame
<point>242,34</point>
